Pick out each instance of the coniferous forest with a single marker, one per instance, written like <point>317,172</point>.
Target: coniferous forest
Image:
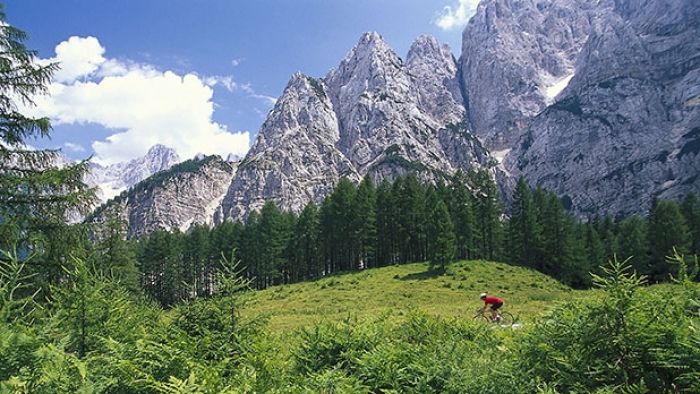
<point>368,226</point>
<point>84,310</point>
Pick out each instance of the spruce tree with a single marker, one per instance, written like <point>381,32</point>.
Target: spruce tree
<point>384,226</point>
<point>667,230</point>
<point>224,240</point>
<point>525,233</point>
<point>162,267</point>
<point>116,255</point>
<point>326,236</point>
<point>411,223</point>
<point>488,211</point>
<point>285,263</point>
<point>462,214</point>
<point>606,230</point>
<point>271,243</point>
<point>306,244</point>
<point>196,255</point>
<point>443,250</point>
<point>595,251</point>
<point>36,196</point>
<point>557,237</point>
<point>250,252</point>
<point>365,207</point>
<point>633,243</point>
<point>344,238</point>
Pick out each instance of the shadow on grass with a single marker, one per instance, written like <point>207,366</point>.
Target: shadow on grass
<point>429,274</point>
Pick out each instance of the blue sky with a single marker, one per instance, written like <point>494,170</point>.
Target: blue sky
<point>199,76</point>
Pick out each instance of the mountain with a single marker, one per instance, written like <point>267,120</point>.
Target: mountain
<point>115,178</point>
<point>516,57</point>
<point>626,129</point>
<point>373,115</point>
<point>187,193</point>
<point>597,100</point>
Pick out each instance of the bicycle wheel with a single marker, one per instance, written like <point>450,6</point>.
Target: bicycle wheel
<point>483,319</point>
<point>506,319</point>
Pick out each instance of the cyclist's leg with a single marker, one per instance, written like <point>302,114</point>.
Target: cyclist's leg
<point>494,311</point>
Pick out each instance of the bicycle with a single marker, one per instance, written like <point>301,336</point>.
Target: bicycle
<point>503,318</point>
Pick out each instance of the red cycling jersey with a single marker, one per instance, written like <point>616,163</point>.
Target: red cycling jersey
<point>492,300</point>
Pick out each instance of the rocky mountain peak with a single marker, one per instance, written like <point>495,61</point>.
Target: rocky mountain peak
<point>372,115</point>
<point>370,42</point>
<point>428,47</point>
<point>433,72</point>
<point>370,64</point>
<point>303,99</point>
<point>115,178</point>
<point>160,157</point>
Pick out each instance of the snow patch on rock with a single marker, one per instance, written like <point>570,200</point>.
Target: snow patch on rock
<point>553,90</point>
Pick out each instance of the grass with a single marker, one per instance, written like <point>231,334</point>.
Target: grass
<point>398,290</point>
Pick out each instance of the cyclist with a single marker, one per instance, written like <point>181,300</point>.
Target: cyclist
<point>495,303</point>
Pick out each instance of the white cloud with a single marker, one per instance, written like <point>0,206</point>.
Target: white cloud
<point>225,81</point>
<point>231,85</point>
<point>251,92</point>
<point>143,105</point>
<point>456,17</point>
<point>78,57</point>
<point>73,147</point>
<point>237,61</point>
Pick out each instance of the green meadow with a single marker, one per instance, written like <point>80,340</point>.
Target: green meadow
<point>401,289</point>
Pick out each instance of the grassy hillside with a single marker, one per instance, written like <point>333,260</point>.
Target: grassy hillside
<point>399,289</point>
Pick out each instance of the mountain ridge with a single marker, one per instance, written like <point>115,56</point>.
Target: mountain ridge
<point>597,101</point>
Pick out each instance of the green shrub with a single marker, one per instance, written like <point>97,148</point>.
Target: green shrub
<point>629,337</point>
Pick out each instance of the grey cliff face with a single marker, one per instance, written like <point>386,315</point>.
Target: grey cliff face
<point>597,100</point>
<point>627,128</point>
<point>433,71</point>
<point>294,159</point>
<point>373,115</point>
<point>516,55</point>
<point>188,193</point>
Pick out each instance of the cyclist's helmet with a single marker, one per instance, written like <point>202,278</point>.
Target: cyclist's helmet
<point>482,296</point>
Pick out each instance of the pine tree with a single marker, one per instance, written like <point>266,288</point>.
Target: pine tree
<point>384,226</point>
<point>667,230</point>
<point>443,250</point>
<point>224,240</point>
<point>462,214</point>
<point>306,244</point>
<point>595,251</point>
<point>411,223</point>
<point>633,243</point>
<point>271,243</point>
<point>250,250</point>
<point>365,207</point>
<point>344,239</point>
<point>54,250</point>
<point>488,211</point>
<point>557,237</point>
<point>35,196</point>
<point>158,273</point>
<point>578,274</point>
<point>116,255</point>
<point>606,230</point>
<point>196,256</point>
<point>285,267</point>
<point>525,233</point>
